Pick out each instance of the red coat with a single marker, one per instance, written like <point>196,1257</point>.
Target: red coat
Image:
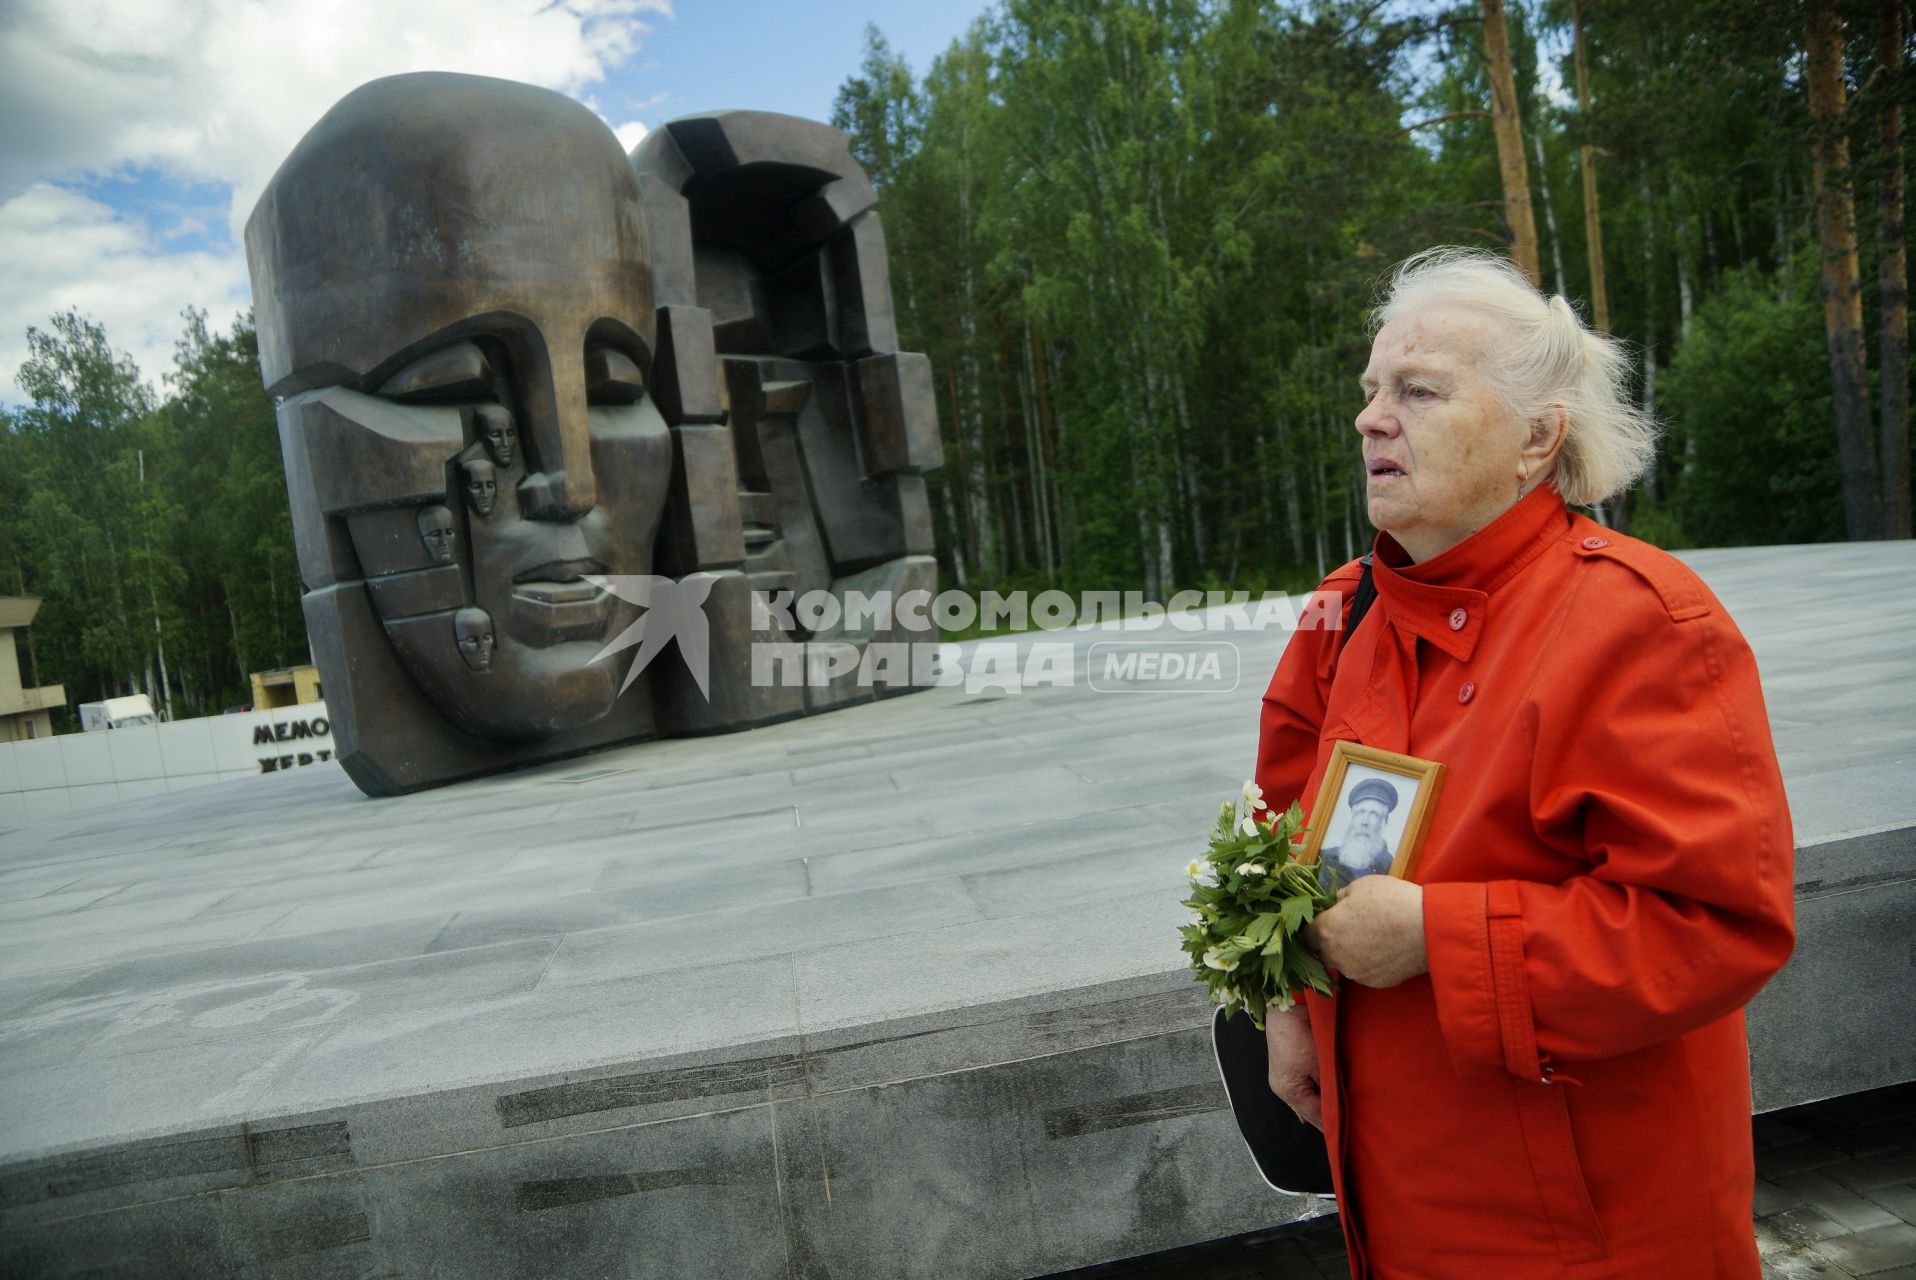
<point>1607,881</point>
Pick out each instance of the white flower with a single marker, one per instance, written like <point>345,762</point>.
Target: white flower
<point>1253,797</point>
<point>1248,826</point>
<point>1249,869</point>
<point>1194,869</point>
<point>1213,960</point>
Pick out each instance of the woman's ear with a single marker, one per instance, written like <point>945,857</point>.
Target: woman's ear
<point>1545,441</point>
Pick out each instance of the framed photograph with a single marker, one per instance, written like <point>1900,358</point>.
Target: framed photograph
<point>1372,812</point>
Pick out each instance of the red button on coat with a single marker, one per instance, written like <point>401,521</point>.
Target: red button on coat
<point>1457,619</point>
<point>1592,542</point>
<point>1468,692</point>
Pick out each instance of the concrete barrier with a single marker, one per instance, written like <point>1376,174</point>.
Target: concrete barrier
<point>47,776</point>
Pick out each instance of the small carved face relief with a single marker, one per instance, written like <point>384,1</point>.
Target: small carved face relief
<point>482,485</point>
<point>473,630</point>
<point>495,429</point>
<point>437,532</point>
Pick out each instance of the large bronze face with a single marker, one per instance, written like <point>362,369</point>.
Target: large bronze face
<point>455,297</point>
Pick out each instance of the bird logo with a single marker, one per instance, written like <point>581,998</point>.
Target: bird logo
<point>673,610</point>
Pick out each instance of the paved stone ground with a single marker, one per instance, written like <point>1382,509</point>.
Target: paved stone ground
<point>557,1023</point>
<point>1835,1198</point>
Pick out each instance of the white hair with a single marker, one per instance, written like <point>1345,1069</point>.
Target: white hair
<point>1546,357</point>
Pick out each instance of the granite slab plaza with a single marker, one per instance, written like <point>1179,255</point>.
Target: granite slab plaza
<point>893,992</point>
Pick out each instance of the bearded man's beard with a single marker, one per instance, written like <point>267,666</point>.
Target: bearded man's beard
<point>1361,850</point>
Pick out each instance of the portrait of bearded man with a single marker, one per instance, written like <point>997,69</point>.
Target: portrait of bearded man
<point>1364,848</point>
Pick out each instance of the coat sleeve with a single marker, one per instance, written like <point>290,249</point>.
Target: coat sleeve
<point>1658,770</point>
<point>1293,714</point>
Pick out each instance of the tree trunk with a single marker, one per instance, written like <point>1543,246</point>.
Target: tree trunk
<point>1505,121</point>
<point>1549,210</point>
<point>159,640</point>
<point>1892,274</point>
<point>33,659</point>
<point>1320,525</point>
<point>957,478</point>
<point>1785,274</point>
<point>1592,222</point>
<point>1187,469</point>
<point>1063,498</point>
<point>123,637</point>
<point>1016,528</point>
<point>1648,387</point>
<point>1685,265</point>
<point>989,561</point>
<point>1293,508</point>
<point>1649,304</point>
<point>956,521</point>
<point>1040,473</point>
<point>1841,282</point>
<point>239,654</point>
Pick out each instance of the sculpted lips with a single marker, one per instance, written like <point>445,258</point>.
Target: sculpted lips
<point>557,582</point>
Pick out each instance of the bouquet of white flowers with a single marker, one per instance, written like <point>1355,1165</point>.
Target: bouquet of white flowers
<point>1251,897</point>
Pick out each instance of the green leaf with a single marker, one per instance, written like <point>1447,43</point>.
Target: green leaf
<point>1309,969</point>
<point>1297,912</point>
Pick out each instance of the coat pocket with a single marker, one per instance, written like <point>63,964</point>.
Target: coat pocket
<point>1552,1147</point>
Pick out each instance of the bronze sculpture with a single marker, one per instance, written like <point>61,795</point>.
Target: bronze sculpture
<point>504,355</point>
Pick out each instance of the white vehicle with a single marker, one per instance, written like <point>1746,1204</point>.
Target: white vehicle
<point>117,713</point>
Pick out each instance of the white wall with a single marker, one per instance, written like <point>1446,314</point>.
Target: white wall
<point>82,770</point>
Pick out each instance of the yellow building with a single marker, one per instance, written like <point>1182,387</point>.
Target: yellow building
<point>24,713</point>
<point>286,687</point>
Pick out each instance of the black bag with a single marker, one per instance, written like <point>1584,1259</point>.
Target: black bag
<point>1290,1154</point>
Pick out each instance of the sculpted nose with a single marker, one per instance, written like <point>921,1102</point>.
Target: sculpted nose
<point>559,484</point>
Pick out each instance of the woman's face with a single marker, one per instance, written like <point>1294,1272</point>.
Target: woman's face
<point>1442,456</point>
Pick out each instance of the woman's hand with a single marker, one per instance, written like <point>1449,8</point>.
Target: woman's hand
<point>1375,934</point>
<point>1293,1054</point>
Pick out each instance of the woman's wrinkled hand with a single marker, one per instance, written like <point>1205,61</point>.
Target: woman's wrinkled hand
<point>1293,1055</point>
<point>1374,936</point>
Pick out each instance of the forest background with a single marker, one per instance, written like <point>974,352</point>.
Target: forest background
<point>1138,241</point>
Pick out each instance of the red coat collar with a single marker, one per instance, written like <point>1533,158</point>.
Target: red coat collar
<point>1443,599</point>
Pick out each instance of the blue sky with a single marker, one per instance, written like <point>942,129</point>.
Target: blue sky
<point>774,56</point>
<point>137,136</point>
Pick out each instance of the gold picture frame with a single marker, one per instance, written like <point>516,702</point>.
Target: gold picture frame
<point>1359,775</point>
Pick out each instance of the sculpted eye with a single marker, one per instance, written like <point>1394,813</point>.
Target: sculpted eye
<point>457,374</point>
<point>612,377</point>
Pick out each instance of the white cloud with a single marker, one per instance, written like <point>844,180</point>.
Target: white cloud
<point>61,250</point>
<point>631,133</point>
<point>219,91</point>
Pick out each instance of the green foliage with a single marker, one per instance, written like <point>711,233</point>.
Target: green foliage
<point>1250,898</point>
<point>1138,241</point>
<point>229,450</point>
<point>155,533</point>
<point>1747,397</point>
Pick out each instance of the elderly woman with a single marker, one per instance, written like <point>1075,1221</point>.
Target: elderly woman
<point>1535,1064</point>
